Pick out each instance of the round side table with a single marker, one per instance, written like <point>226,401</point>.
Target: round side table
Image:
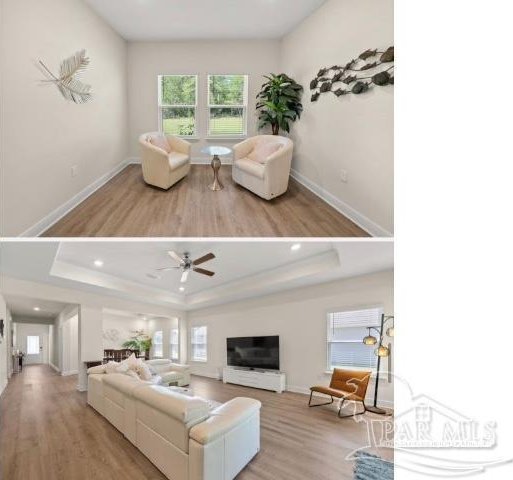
<point>216,152</point>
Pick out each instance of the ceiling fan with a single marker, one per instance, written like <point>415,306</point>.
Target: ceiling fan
<point>186,265</point>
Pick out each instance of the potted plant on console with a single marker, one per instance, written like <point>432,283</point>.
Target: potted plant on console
<point>279,103</point>
<point>140,341</point>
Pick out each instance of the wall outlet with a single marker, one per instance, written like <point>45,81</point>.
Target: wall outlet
<point>74,170</point>
<point>343,176</point>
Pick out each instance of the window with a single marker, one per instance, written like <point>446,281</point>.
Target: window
<point>346,331</point>
<point>157,344</point>
<point>174,344</point>
<point>177,104</point>
<point>227,105</point>
<point>32,345</point>
<point>199,344</point>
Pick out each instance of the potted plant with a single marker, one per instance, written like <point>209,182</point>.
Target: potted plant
<point>279,103</point>
<point>139,341</point>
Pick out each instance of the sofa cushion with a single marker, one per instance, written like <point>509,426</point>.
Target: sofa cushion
<point>250,166</point>
<point>115,367</point>
<point>96,370</point>
<point>159,141</point>
<point>159,365</point>
<point>183,408</point>
<point>177,160</point>
<point>122,383</point>
<point>171,377</point>
<point>224,418</point>
<point>263,150</point>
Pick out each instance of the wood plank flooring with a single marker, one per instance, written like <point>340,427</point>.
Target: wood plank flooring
<point>127,207</point>
<point>48,432</point>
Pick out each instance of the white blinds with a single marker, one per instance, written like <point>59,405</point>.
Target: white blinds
<point>346,331</point>
<point>199,344</point>
<point>174,344</point>
<point>157,344</point>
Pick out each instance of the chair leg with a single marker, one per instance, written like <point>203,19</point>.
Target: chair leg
<point>352,414</point>
<point>319,404</point>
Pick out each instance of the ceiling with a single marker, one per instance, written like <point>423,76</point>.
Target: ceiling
<point>243,269</point>
<point>24,307</point>
<point>161,20</point>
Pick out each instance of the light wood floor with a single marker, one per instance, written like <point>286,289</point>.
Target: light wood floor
<point>49,433</point>
<point>127,207</point>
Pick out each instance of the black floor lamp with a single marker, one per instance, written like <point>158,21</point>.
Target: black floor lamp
<point>381,351</point>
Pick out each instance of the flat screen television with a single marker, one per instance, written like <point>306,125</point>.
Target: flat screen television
<point>254,352</point>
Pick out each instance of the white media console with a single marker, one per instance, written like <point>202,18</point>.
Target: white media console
<point>275,381</point>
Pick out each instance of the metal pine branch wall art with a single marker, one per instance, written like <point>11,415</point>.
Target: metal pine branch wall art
<point>67,82</point>
<point>372,67</point>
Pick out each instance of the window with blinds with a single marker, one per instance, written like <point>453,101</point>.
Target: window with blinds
<point>178,99</point>
<point>346,331</point>
<point>227,105</point>
<point>174,344</point>
<point>199,344</point>
<point>158,350</point>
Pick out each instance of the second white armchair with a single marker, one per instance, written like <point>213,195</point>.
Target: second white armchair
<point>166,159</point>
<point>262,165</point>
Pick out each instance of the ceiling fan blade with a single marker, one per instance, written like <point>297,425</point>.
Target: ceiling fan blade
<point>204,272</point>
<point>185,275</point>
<point>175,256</point>
<point>206,258</point>
<point>167,269</point>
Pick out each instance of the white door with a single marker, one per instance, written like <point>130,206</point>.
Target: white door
<point>34,350</point>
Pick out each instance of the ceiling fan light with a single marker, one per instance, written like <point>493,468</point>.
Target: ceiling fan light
<point>390,332</point>
<point>185,275</point>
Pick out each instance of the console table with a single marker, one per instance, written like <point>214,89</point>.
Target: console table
<point>275,381</point>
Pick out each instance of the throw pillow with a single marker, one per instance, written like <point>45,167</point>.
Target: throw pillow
<point>161,142</point>
<point>263,151</point>
<point>144,372</point>
<point>111,367</point>
<point>132,362</point>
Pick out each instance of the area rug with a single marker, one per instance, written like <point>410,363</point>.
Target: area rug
<point>371,467</point>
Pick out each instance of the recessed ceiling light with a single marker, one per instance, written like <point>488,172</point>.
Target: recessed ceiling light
<point>296,247</point>
<point>36,309</point>
<point>182,289</point>
<point>98,263</point>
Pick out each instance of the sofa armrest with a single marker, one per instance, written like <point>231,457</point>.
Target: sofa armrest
<point>243,149</point>
<point>224,419</point>
<point>179,367</point>
<point>179,145</point>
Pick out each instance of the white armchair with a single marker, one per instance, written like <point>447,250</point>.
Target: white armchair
<point>262,165</point>
<point>166,159</point>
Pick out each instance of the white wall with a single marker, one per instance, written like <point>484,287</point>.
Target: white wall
<point>354,133</point>
<point>70,340</point>
<point>5,346</point>
<point>117,329</point>
<point>25,329</point>
<point>148,60</point>
<point>43,135</point>
<point>299,317</point>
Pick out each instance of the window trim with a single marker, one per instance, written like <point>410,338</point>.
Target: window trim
<point>160,105</point>
<point>178,344</point>
<point>329,369</point>
<point>244,107</point>
<point>196,360</point>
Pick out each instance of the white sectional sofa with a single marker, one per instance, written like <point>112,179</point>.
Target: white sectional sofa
<point>171,373</point>
<point>180,434</point>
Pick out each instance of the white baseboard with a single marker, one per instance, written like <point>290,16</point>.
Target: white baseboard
<point>68,374</point>
<point>54,367</point>
<point>53,217</point>
<point>361,220</point>
<point>215,376</point>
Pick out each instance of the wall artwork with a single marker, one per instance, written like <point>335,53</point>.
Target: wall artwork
<point>67,82</point>
<point>372,67</point>
<point>1,329</point>
<point>112,335</point>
